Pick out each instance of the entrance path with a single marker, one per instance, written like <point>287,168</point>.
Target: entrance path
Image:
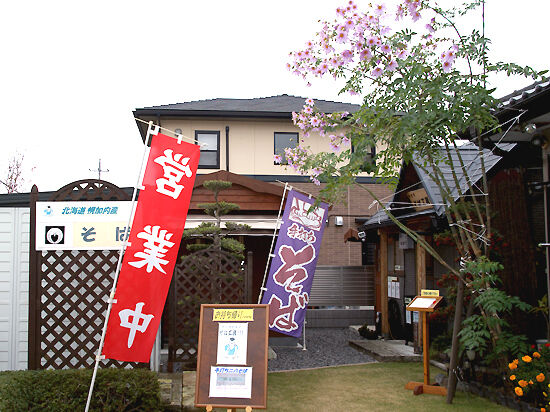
<point>387,350</point>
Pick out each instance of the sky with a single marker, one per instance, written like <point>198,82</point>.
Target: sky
<point>73,71</point>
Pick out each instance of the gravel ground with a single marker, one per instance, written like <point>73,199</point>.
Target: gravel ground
<point>325,347</point>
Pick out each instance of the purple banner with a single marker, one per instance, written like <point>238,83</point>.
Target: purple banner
<point>292,268</point>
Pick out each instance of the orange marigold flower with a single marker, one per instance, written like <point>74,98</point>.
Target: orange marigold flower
<point>515,361</point>
<point>512,377</point>
<point>512,366</point>
<point>526,358</point>
<point>536,355</point>
<point>540,377</point>
<point>530,382</point>
<point>523,383</point>
<point>542,409</point>
<point>518,391</point>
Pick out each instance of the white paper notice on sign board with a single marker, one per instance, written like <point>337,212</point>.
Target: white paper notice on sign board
<point>408,316</point>
<point>423,303</point>
<point>232,343</point>
<point>230,382</point>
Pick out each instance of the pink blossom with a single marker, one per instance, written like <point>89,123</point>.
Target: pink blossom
<point>334,62</point>
<point>315,181</point>
<point>347,56</point>
<point>335,147</point>
<point>447,66</point>
<point>379,9</point>
<point>430,28</point>
<point>416,16</point>
<point>385,48</point>
<point>316,172</point>
<point>402,54</point>
<point>314,121</point>
<point>376,72</point>
<point>392,65</point>
<point>365,54</point>
<point>327,48</point>
<point>344,114</point>
<point>352,92</point>
<point>310,101</point>
<point>308,109</point>
<point>372,41</point>
<point>277,159</point>
<point>349,24</point>
<point>288,66</point>
<point>341,36</point>
<point>399,13</point>
<point>346,141</point>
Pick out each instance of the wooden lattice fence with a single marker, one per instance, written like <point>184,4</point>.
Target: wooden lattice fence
<point>196,280</point>
<point>68,290</point>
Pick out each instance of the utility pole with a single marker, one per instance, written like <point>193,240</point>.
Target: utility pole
<point>98,170</point>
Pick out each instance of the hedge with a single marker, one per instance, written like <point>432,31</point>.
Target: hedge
<point>67,390</point>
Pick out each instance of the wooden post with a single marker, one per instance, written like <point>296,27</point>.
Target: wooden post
<point>420,263</point>
<point>425,346</point>
<point>384,283</point>
<point>34,288</point>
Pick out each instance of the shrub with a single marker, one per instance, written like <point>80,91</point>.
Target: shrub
<point>67,390</point>
<point>530,376</point>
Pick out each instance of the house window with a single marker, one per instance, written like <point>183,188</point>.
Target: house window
<point>210,148</point>
<point>369,153</point>
<point>282,141</point>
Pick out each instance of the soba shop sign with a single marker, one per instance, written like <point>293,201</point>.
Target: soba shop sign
<point>81,225</point>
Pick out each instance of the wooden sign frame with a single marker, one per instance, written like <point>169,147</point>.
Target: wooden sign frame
<point>256,356</point>
<point>412,306</point>
<point>425,387</point>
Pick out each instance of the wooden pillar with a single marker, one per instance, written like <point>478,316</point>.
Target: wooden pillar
<point>420,263</point>
<point>34,288</point>
<point>384,283</point>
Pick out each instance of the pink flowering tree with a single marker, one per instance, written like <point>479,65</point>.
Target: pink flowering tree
<point>423,84</point>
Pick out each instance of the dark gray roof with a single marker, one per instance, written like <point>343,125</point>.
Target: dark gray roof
<point>275,106</point>
<point>472,163</point>
<point>522,95</point>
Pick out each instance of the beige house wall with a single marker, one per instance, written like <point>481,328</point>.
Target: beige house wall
<point>251,153</point>
<point>251,142</point>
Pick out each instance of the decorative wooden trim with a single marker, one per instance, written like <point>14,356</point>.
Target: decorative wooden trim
<point>248,182</point>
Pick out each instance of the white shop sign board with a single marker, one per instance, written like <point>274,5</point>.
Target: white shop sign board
<point>95,225</point>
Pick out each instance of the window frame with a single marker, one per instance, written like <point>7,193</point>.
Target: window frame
<point>283,158</point>
<point>217,133</point>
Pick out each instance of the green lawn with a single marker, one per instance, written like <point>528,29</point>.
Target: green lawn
<point>372,387</point>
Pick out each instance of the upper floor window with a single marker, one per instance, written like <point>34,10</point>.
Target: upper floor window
<point>282,141</point>
<point>369,154</point>
<point>210,148</point>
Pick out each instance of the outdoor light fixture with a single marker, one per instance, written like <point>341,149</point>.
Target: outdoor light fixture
<point>338,221</point>
<point>530,128</point>
<point>177,131</point>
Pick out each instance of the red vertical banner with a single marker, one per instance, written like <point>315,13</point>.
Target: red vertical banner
<point>152,250</point>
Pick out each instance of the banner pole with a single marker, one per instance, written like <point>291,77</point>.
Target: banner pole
<point>151,130</point>
<point>269,256</point>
